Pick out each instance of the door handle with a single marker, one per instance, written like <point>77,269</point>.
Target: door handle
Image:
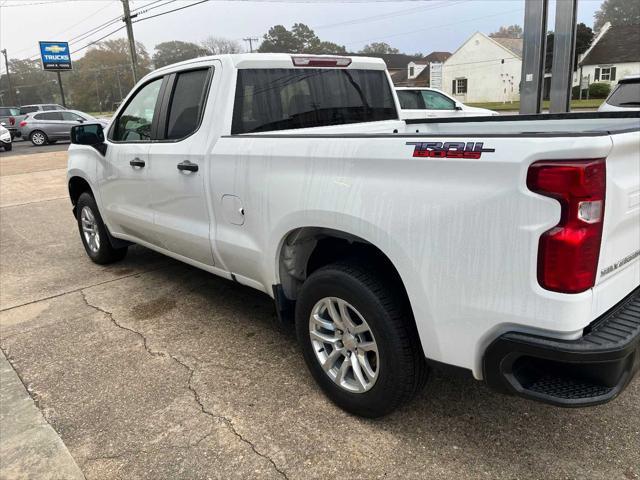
<point>136,162</point>
<point>188,166</point>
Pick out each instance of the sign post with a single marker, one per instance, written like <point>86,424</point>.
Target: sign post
<point>56,57</point>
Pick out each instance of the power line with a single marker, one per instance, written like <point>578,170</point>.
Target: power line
<point>170,11</point>
<point>100,39</point>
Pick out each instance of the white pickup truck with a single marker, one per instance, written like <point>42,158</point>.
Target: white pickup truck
<point>508,246</point>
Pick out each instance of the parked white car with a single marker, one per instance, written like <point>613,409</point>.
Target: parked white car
<point>505,247</point>
<point>422,102</point>
<point>625,97</point>
<point>5,138</point>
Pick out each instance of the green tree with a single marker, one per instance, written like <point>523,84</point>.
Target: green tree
<point>175,51</point>
<point>618,12</point>
<point>103,77</point>
<point>377,48</point>
<point>30,83</point>
<point>510,31</point>
<point>584,37</point>
<point>300,39</point>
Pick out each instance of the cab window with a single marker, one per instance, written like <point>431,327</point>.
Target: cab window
<point>410,100</point>
<point>437,101</point>
<point>134,122</point>
<point>70,116</point>
<point>187,103</point>
<point>48,116</point>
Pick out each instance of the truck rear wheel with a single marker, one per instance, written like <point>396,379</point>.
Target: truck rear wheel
<point>93,232</point>
<point>357,341</point>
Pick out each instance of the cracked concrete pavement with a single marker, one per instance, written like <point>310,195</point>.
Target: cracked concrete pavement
<point>153,369</point>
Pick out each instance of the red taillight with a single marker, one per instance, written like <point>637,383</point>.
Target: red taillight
<point>321,61</point>
<point>568,253</point>
<point>12,121</point>
<point>23,123</point>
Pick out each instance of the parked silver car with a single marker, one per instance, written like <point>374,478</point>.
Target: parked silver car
<point>49,127</point>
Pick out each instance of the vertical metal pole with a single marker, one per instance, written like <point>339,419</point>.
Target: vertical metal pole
<point>12,94</point>
<point>564,50</point>
<point>64,104</point>
<point>534,48</point>
<point>132,42</point>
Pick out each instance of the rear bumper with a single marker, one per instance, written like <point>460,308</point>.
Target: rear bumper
<point>589,371</point>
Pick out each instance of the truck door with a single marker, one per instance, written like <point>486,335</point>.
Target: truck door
<point>177,168</point>
<point>124,178</point>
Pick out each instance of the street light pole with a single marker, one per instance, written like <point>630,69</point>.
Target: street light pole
<point>132,43</point>
<point>12,94</point>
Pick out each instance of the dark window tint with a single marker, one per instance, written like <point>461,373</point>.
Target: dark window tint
<point>187,103</point>
<point>70,116</point>
<point>410,100</point>
<point>6,111</point>
<point>50,107</point>
<point>25,110</point>
<point>48,116</point>
<point>280,99</point>
<point>134,123</point>
<point>626,95</point>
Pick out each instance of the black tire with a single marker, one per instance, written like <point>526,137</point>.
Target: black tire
<point>8,147</point>
<point>104,252</point>
<point>36,135</point>
<point>402,366</point>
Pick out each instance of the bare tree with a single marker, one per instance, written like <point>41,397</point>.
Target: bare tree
<point>220,45</point>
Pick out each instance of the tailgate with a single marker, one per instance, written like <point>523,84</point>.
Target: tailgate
<point>620,250</point>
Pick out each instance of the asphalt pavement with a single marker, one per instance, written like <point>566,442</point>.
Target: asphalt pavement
<point>25,147</point>
<point>149,368</point>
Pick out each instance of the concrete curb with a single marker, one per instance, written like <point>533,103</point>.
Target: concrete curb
<point>29,446</point>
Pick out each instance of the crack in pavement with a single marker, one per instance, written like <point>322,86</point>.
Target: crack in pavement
<point>79,289</point>
<point>192,371</point>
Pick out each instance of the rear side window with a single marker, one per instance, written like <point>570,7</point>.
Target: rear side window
<point>187,103</point>
<point>48,116</point>
<point>410,100</point>
<point>28,109</point>
<point>50,107</point>
<point>626,95</point>
<point>70,116</point>
<point>282,98</point>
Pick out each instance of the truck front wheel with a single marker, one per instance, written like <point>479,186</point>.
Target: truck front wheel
<point>93,232</point>
<point>357,341</point>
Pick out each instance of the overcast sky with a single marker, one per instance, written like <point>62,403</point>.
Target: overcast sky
<point>411,26</point>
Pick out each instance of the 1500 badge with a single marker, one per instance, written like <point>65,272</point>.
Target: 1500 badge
<point>470,150</point>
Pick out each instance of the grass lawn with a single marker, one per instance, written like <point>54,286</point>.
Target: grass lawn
<point>101,114</point>
<point>575,104</point>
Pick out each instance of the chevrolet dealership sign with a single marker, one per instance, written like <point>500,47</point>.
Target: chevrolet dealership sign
<point>55,55</point>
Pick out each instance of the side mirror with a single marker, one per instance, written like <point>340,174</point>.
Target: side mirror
<point>3,124</point>
<point>80,120</point>
<point>458,106</point>
<point>90,134</point>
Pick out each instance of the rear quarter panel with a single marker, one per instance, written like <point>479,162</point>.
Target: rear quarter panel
<point>463,234</point>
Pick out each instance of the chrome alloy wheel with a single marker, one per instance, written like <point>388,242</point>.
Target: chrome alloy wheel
<point>90,229</point>
<point>344,345</point>
<point>38,138</point>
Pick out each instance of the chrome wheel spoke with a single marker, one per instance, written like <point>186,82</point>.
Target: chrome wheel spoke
<point>331,360</point>
<point>366,366</point>
<point>357,372</point>
<point>323,337</point>
<point>333,313</point>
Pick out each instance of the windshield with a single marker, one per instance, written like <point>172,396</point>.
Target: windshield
<point>287,98</point>
<point>626,95</point>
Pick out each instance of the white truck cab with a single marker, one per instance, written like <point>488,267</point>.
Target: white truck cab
<point>508,246</point>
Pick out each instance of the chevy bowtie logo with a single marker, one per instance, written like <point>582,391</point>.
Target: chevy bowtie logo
<point>54,49</point>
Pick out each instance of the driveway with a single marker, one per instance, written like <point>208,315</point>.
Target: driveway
<point>149,368</point>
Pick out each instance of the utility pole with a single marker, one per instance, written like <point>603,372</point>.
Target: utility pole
<point>12,95</point>
<point>132,43</point>
<point>250,40</point>
<point>64,104</point>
